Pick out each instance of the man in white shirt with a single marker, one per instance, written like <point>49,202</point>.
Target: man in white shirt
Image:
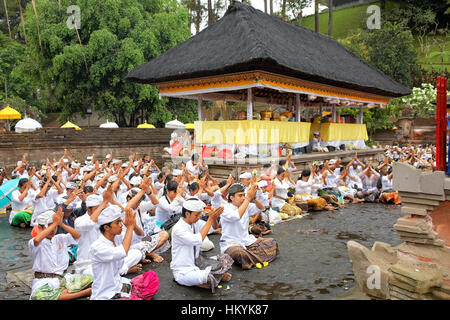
<point>187,237</point>
<point>195,165</point>
<point>50,259</point>
<point>236,241</point>
<point>317,143</point>
<point>46,197</point>
<point>108,253</point>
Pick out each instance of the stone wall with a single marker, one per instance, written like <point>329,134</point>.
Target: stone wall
<point>51,142</point>
<point>419,268</point>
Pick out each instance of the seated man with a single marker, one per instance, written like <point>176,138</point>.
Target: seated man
<point>50,260</point>
<point>187,237</point>
<point>108,253</point>
<point>236,241</point>
<point>317,143</point>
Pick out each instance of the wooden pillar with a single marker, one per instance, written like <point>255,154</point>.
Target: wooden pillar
<point>320,110</point>
<point>200,108</point>
<point>360,118</point>
<point>441,125</point>
<point>298,107</point>
<point>249,104</point>
<point>334,113</point>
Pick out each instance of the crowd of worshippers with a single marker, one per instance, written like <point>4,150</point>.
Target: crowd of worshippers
<point>94,222</point>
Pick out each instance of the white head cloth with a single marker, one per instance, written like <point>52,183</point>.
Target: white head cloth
<point>109,214</point>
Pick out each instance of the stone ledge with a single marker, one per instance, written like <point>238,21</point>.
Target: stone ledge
<point>417,229</point>
<point>414,210</point>
<point>405,194</point>
<point>429,236</point>
<point>429,202</point>
<point>411,179</point>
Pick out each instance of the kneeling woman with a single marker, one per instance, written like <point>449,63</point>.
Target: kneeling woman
<point>243,247</point>
<point>186,242</point>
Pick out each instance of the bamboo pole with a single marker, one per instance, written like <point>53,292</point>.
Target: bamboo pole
<point>37,22</point>
<point>22,21</point>
<point>7,19</point>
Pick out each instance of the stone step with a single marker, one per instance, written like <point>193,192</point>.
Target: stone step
<point>428,202</point>
<point>440,294</point>
<point>423,223</point>
<point>415,210</point>
<point>437,242</point>
<point>431,236</point>
<point>407,295</point>
<point>423,229</point>
<point>421,196</point>
<point>421,279</point>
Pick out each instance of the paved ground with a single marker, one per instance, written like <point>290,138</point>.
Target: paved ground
<point>313,261</point>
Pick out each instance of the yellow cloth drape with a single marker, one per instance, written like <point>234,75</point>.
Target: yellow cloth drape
<point>340,131</point>
<point>251,132</point>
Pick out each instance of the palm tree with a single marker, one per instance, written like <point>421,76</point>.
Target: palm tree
<point>210,13</point>
<point>37,22</point>
<point>316,15</point>
<point>330,17</point>
<point>271,7</point>
<point>265,6</point>
<point>7,18</point>
<point>22,21</point>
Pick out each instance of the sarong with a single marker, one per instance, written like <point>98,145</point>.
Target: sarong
<point>75,283</point>
<point>150,242</point>
<point>215,276</point>
<point>21,217</point>
<point>262,250</point>
<point>317,204</point>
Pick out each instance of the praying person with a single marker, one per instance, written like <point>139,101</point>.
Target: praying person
<point>50,260</point>
<point>236,241</point>
<point>20,200</point>
<point>187,237</point>
<point>108,253</point>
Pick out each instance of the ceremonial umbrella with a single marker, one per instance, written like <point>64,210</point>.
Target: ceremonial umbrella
<point>9,113</point>
<point>175,124</point>
<point>189,126</point>
<point>69,124</point>
<point>27,125</point>
<point>5,192</point>
<point>108,124</point>
<point>145,125</point>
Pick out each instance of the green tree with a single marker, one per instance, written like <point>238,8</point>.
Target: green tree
<point>389,49</point>
<point>116,36</point>
<point>16,86</point>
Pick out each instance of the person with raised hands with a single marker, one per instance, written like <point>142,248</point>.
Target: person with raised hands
<point>50,260</point>
<point>150,246</point>
<point>108,253</point>
<point>187,238</point>
<point>236,241</point>
<point>21,198</point>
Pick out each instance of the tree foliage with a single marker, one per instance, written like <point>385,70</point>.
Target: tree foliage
<point>116,36</point>
<point>15,66</point>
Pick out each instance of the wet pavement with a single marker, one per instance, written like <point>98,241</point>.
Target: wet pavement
<point>313,263</point>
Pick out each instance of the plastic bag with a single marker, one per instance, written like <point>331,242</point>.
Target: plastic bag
<point>274,217</point>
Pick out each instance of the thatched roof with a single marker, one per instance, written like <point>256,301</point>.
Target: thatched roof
<point>246,39</point>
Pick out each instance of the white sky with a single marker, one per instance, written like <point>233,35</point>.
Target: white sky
<point>259,4</point>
